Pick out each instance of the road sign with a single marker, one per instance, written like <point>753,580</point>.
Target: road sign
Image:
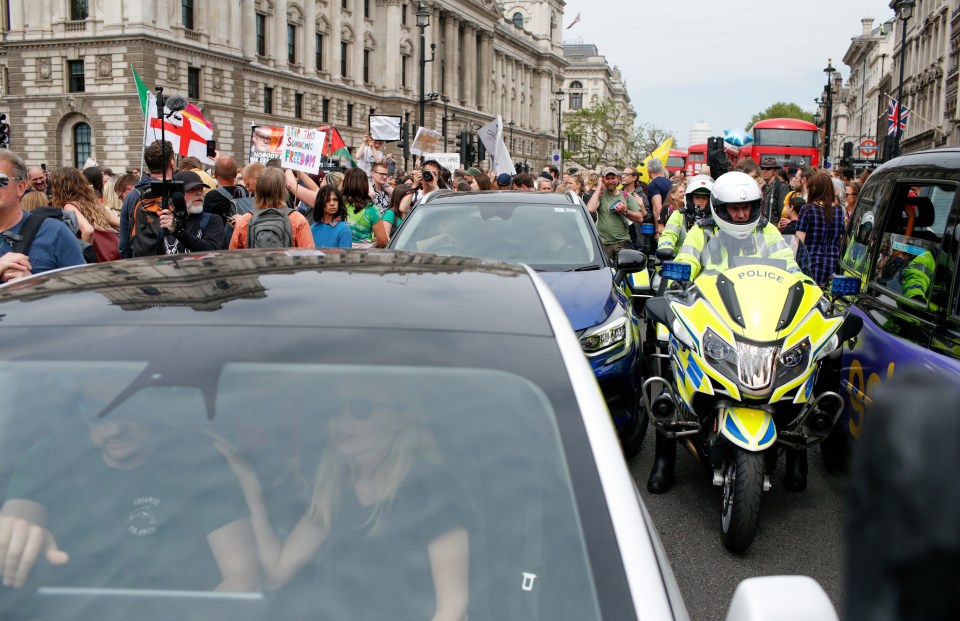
<point>556,156</point>
<point>868,147</point>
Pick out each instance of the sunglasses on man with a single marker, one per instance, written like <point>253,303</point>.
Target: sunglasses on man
<point>5,180</point>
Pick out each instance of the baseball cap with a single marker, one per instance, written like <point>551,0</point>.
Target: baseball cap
<point>473,172</point>
<point>504,179</point>
<point>769,162</point>
<point>610,170</point>
<point>190,179</point>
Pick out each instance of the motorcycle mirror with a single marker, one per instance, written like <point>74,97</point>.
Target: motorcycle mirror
<point>665,253</point>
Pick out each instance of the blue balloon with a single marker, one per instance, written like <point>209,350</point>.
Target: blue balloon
<point>737,137</point>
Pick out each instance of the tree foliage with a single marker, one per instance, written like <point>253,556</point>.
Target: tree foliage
<point>781,110</point>
<point>602,133</point>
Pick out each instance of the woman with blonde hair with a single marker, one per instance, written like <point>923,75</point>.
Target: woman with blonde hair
<point>379,486</point>
<point>111,200</point>
<point>34,199</point>
<point>71,191</point>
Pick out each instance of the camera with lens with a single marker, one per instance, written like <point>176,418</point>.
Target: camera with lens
<point>427,175</point>
<point>171,194</point>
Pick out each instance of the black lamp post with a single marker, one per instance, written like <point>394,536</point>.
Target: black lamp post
<point>904,9</point>
<point>559,94</point>
<point>423,20</point>
<point>510,125</point>
<point>826,139</point>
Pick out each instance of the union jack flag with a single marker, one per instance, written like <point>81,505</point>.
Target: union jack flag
<point>892,117</point>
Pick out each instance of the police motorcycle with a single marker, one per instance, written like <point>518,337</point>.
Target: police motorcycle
<point>745,341</point>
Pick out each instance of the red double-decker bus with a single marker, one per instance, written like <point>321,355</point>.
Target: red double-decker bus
<point>791,142</point>
<point>677,160</point>
<point>696,157</point>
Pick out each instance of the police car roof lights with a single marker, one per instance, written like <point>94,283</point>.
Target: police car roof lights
<point>845,285</point>
<point>676,270</point>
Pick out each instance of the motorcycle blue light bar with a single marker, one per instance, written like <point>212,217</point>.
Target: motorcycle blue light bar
<point>845,285</point>
<point>675,270</point>
<point>647,229</point>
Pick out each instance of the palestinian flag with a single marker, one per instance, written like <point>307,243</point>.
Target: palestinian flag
<point>334,146</point>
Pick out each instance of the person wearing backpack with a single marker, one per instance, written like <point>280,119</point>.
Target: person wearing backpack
<point>157,157</point>
<point>229,200</point>
<point>29,243</point>
<point>271,224</point>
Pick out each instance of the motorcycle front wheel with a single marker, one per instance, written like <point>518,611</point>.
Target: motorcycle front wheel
<point>742,489</point>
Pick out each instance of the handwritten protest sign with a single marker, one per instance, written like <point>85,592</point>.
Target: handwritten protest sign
<point>450,161</point>
<point>301,149</point>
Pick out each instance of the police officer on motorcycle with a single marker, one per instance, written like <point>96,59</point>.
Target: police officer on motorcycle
<point>736,205</point>
<point>696,207</point>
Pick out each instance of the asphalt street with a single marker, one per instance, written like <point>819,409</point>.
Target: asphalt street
<point>800,533</point>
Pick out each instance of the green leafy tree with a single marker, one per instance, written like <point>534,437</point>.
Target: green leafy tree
<point>646,138</point>
<point>597,134</point>
<point>781,110</point>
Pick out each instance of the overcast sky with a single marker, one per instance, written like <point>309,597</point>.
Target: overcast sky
<point>720,61</point>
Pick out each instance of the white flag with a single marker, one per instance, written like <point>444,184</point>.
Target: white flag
<point>185,132</point>
<point>491,135</point>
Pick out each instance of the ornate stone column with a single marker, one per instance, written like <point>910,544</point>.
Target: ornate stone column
<point>248,29</point>
<point>485,79</point>
<point>279,48</point>
<point>451,56</point>
<point>469,68</point>
<point>390,53</point>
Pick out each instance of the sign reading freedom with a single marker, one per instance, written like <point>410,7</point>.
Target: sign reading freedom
<point>300,149</point>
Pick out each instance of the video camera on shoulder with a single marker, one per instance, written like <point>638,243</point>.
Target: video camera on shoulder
<point>171,197</point>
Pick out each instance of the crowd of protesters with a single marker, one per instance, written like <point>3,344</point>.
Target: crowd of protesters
<point>92,214</point>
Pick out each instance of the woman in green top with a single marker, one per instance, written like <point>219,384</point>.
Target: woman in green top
<point>361,212</point>
<point>393,217</point>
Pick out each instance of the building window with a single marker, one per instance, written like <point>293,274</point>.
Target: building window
<point>576,84</point>
<point>343,4</point>
<point>366,66</point>
<point>79,9</point>
<point>261,34</point>
<point>298,105</point>
<point>344,54</point>
<point>518,19</point>
<point>405,71</point>
<point>82,144</point>
<point>267,100</point>
<point>193,83</point>
<point>291,44</point>
<point>403,14</point>
<point>325,110</point>
<point>366,8</point>
<point>349,115</point>
<point>319,53</point>
<point>75,69</point>
<point>576,101</point>
<point>186,14</point>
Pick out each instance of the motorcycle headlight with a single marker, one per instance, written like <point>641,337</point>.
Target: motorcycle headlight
<point>715,347</point>
<point>611,334</point>
<point>755,364</point>
<point>795,355</point>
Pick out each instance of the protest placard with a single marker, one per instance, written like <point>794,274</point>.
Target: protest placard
<point>301,149</point>
<point>384,127</point>
<point>426,141</point>
<point>450,161</point>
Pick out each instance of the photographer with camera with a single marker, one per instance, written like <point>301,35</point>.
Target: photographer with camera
<point>187,227</point>
<point>429,179</point>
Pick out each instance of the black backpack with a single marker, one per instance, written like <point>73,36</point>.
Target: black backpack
<point>239,205</point>
<point>270,228</point>
<point>30,227</point>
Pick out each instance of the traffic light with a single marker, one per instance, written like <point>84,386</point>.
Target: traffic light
<point>481,151</point>
<point>462,145</point>
<point>470,148</point>
<point>4,132</point>
<point>406,140</point>
<point>847,151</point>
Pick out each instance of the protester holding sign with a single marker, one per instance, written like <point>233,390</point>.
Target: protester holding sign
<point>369,153</point>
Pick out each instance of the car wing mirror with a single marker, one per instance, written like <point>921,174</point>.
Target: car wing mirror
<point>799,598</point>
<point>628,262</point>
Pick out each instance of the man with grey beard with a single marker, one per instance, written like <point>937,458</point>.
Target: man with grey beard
<point>201,232</point>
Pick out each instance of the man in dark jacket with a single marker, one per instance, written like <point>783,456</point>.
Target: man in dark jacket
<point>774,190</point>
<point>201,232</point>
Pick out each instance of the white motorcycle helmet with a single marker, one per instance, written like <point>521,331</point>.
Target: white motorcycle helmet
<point>699,184</point>
<point>735,188</point>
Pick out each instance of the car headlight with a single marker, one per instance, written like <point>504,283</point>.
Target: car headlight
<point>608,336</point>
<point>755,364</point>
<point>715,347</point>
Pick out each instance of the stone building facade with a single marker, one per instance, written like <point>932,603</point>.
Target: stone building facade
<point>69,93</point>
<point>869,58</point>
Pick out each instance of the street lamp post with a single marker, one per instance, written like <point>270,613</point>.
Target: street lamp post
<point>510,125</point>
<point>559,94</point>
<point>423,20</point>
<point>826,139</point>
<point>904,9</point>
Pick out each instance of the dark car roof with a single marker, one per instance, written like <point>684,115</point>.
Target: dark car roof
<point>333,288</point>
<point>947,159</point>
<point>446,197</point>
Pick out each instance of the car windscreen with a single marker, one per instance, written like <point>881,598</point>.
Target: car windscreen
<point>341,491</point>
<point>548,237</point>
